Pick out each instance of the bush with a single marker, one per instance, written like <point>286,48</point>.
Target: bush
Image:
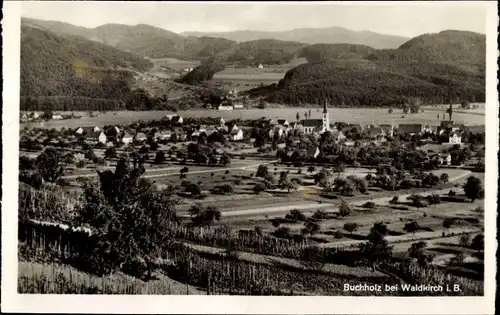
<point>368,205</point>
<point>283,232</point>
<point>344,209</point>
<point>295,215</point>
<point>394,200</point>
<point>259,187</point>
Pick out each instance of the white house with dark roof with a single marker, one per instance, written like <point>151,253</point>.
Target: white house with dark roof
<point>455,138</point>
<point>96,137</point>
<point>86,130</point>
<point>127,138</point>
<point>237,135</point>
<point>140,137</point>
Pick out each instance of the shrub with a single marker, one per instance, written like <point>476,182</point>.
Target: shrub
<point>369,205</point>
<point>283,232</point>
<point>295,215</point>
<point>344,209</point>
<point>394,200</point>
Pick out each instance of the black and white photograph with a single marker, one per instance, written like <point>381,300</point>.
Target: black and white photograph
<point>296,149</point>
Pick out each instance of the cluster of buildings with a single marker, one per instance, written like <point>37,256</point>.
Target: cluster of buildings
<point>95,135</point>
<point>448,129</point>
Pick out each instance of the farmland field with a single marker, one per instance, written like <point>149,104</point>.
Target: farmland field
<point>348,115</point>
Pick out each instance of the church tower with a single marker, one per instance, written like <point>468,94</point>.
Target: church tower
<point>326,117</point>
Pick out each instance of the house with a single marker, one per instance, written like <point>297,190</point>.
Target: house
<point>338,136</point>
<point>195,134</point>
<point>443,159</point>
<point>311,126</point>
<point>237,135</point>
<point>313,152</point>
<point>260,66</point>
<point>175,119</point>
<point>279,130</point>
<point>295,125</point>
<point>220,121</point>
<point>57,117</point>
<point>428,129</point>
<point>375,133</point>
<point>127,138</point>
<point>388,129</point>
<point>222,128</point>
<point>283,122</point>
<point>238,106</point>
<point>410,129</point>
<point>209,130</point>
<point>140,137</point>
<point>96,136</point>
<point>455,138</point>
<point>179,133</point>
<point>232,127</point>
<point>225,107</point>
<point>163,135</point>
<point>202,128</point>
<point>86,130</point>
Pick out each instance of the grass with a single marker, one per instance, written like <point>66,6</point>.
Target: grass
<point>348,115</point>
<point>58,279</point>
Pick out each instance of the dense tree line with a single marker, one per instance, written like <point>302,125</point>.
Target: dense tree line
<point>346,83</point>
<point>319,52</point>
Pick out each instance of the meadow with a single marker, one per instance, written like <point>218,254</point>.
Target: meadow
<point>348,115</point>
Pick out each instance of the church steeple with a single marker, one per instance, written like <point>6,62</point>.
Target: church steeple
<point>326,117</point>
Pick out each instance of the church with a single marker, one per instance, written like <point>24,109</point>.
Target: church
<point>317,126</point>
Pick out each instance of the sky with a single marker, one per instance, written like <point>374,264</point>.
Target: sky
<point>404,19</point>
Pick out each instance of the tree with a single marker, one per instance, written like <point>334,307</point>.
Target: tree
<point>259,187</point>
<point>295,215</point>
<point>411,227</point>
<point>120,202</point>
<point>297,116</point>
<point>322,178</point>
<point>478,242</point>
<point>262,171</point>
<point>49,165</point>
<point>416,200</point>
<point>195,210</point>
<point>344,209</point>
<point>464,240</point>
<point>390,111</point>
<point>350,227</point>
<point>225,159</point>
<point>193,189</point>
<point>110,153</point>
<point>184,170</point>
<point>433,199</point>
<point>417,251</point>
<point>310,169</point>
<point>473,188</point>
<point>394,200</point>
<point>310,228</point>
<point>376,250</point>
<point>160,157</point>
<point>444,178</point>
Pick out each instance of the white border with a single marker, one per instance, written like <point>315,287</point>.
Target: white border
<point>13,302</point>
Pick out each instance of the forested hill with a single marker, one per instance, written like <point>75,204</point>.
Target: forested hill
<point>434,67</point>
<point>74,67</point>
<point>328,35</point>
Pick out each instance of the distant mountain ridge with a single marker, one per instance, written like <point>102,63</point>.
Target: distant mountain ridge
<point>156,42</point>
<point>329,35</point>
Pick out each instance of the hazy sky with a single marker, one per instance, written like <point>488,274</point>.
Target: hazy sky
<point>406,19</point>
